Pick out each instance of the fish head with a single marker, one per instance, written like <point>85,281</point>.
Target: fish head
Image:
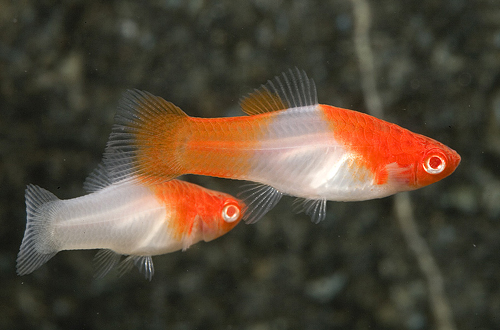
<point>435,162</point>
<point>220,215</point>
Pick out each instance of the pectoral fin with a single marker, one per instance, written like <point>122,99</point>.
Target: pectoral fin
<point>259,200</point>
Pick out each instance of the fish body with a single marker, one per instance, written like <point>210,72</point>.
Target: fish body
<point>124,218</point>
<point>289,144</point>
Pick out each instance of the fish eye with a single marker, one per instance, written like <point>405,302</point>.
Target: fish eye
<point>230,213</point>
<point>434,164</point>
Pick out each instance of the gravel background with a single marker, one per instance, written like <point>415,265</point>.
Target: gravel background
<point>64,65</point>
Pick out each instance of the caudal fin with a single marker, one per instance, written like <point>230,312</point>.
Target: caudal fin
<point>144,139</point>
<point>37,246</point>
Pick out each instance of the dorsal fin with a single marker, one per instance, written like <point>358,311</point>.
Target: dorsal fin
<point>289,90</point>
<point>97,179</point>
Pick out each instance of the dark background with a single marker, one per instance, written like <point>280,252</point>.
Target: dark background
<point>64,65</point>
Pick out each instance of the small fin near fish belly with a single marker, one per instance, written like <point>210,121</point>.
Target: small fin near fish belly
<point>37,246</point>
<point>314,208</point>
<point>143,140</point>
<point>143,263</point>
<point>104,261</point>
<point>259,200</point>
<point>145,266</point>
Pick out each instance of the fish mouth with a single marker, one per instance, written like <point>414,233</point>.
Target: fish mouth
<point>454,158</point>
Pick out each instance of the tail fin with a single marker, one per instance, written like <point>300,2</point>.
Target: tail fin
<point>37,246</point>
<point>144,139</point>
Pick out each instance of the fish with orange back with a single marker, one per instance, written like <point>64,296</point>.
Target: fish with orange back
<point>288,144</point>
<point>123,217</point>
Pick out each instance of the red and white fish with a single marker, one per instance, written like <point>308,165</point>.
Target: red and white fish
<point>289,144</point>
<point>123,218</point>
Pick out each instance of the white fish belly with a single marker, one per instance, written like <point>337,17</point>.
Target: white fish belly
<point>300,157</point>
<point>125,217</point>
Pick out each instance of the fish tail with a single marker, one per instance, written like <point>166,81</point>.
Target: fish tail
<point>146,139</point>
<point>38,244</point>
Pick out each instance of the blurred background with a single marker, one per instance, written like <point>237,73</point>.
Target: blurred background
<point>64,65</point>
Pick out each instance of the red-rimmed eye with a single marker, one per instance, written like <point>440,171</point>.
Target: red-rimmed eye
<point>434,164</point>
<point>230,213</point>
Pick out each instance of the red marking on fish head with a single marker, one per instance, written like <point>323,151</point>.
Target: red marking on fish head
<point>196,213</point>
<point>437,161</point>
<point>396,156</point>
<point>415,161</point>
<point>220,215</point>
